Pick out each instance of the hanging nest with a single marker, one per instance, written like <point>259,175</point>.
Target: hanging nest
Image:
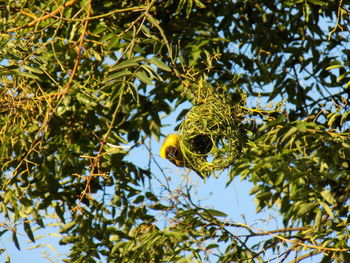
<point>211,135</point>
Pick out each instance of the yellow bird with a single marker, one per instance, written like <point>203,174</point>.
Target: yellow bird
<point>171,150</point>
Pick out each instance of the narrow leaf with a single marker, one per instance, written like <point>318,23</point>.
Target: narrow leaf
<point>159,64</point>
<point>347,85</point>
<point>305,209</point>
<point>318,219</point>
<point>5,69</point>
<point>327,209</point>
<point>289,133</point>
<point>345,118</point>
<point>144,78</point>
<point>29,75</point>
<point>28,231</point>
<point>317,2</point>
<point>151,197</point>
<point>60,212</point>
<point>306,11</point>
<point>133,91</point>
<point>332,117</point>
<point>15,240</point>
<point>67,227</point>
<point>342,76</point>
<point>32,69</point>
<point>117,75</point>
<point>327,195</point>
<point>132,62</point>
<point>334,66</point>
<point>216,213</point>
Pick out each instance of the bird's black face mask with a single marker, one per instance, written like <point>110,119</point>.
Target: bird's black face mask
<point>170,153</point>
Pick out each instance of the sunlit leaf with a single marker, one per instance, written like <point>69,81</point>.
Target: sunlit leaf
<point>132,62</point>
<point>117,75</point>
<point>160,64</point>
<point>29,75</point>
<point>327,209</point>
<point>144,78</point>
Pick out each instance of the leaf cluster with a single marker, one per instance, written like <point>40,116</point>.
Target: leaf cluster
<point>83,83</point>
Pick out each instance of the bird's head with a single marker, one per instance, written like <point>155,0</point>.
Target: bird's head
<point>171,153</point>
<point>171,150</point>
<point>170,144</point>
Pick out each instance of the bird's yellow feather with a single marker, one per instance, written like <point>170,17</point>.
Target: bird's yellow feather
<point>172,151</point>
<point>170,140</point>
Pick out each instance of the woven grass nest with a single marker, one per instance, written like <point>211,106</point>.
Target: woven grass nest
<point>211,135</point>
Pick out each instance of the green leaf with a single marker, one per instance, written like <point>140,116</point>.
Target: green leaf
<point>279,179</point>
<point>344,118</point>
<point>305,209</point>
<point>306,11</point>
<point>347,85</point>
<point>139,199</point>
<point>133,90</point>
<point>264,71</point>
<point>180,6</point>
<point>215,213</point>
<point>59,212</point>
<point>151,72</point>
<point>293,2</point>
<point>289,133</point>
<point>334,66</point>
<point>263,196</point>
<point>160,207</point>
<point>15,240</point>
<point>116,247</point>
<point>29,75</point>
<point>327,195</point>
<point>8,69</point>
<point>38,218</point>
<point>199,4</point>
<point>254,189</point>
<point>65,228</point>
<point>211,246</point>
<point>117,75</point>
<point>28,231</point>
<point>301,127</point>
<point>151,197</point>
<point>318,219</point>
<point>342,76</point>
<point>144,78</point>
<point>332,118</point>
<point>160,64</point>
<point>87,100</point>
<point>327,209</point>
<point>185,260</point>
<point>317,2</point>
<point>32,69</point>
<point>132,62</point>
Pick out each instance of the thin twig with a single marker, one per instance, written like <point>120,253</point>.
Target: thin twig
<point>37,20</point>
<point>337,25</point>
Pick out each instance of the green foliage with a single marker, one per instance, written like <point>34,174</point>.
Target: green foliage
<point>82,79</point>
